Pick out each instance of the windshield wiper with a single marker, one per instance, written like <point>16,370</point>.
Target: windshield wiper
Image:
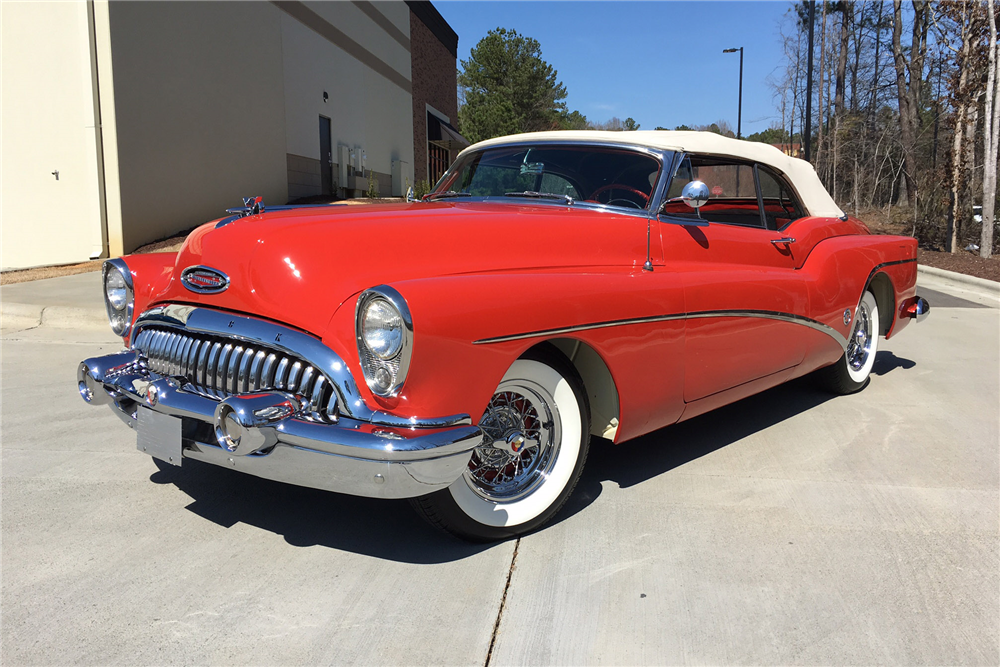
<point>446,194</point>
<point>540,195</point>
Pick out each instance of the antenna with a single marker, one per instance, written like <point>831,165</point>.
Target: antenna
<point>648,266</point>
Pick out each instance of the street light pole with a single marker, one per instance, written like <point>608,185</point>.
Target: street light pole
<point>739,112</point>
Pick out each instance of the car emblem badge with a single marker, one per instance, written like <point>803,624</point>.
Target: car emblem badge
<point>847,317</point>
<point>204,280</point>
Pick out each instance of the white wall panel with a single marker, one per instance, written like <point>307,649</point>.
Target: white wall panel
<point>47,124</point>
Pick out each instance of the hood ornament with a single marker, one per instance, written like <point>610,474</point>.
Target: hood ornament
<point>251,206</point>
<point>204,280</point>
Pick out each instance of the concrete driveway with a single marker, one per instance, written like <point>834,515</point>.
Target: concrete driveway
<point>790,528</point>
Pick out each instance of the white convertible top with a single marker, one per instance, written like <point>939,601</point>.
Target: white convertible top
<point>800,173</point>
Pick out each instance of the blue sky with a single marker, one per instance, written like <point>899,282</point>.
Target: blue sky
<point>659,62</point>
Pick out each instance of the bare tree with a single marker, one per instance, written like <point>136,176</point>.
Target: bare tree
<point>991,138</point>
<point>908,91</point>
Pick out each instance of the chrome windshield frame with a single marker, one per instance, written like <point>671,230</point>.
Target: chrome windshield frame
<point>666,159</point>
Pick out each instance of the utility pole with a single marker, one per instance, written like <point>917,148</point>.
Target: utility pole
<point>807,138</point>
<point>739,108</point>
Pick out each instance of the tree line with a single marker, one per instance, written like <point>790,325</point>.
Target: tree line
<point>904,110</point>
<point>902,114</point>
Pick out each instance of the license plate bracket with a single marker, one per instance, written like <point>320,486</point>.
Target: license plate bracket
<point>159,435</point>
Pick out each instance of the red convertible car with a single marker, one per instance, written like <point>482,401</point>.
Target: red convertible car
<point>462,350</point>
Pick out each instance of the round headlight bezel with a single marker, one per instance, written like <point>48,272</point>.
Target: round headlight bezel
<point>384,367</point>
<point>119,317</point>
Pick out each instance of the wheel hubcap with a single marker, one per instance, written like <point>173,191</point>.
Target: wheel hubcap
<point>522,442</point>
<point>859,344</point>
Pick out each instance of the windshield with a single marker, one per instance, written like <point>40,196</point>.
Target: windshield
<point>602,175</point>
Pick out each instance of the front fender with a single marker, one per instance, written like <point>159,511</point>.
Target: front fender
<point>151,273</point>
<point>457,362</point>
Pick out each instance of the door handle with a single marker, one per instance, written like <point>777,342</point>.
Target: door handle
<point>783,241</point>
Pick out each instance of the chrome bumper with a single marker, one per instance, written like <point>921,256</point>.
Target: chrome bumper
<point>261,434</point>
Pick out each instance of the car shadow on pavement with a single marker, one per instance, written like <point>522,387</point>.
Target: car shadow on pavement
<point>387,529</point>
<point>390,529</point>
<point>656,453</point>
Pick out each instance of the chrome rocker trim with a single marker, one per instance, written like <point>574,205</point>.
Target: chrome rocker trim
<point>262,434</point>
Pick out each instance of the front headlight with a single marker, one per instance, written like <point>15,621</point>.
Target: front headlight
<point>119,296</point>
<point>385,339</point>
<point>382,328</point>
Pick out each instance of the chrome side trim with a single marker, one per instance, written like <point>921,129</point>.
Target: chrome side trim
<point>760,314</point>
<point>872,273</point>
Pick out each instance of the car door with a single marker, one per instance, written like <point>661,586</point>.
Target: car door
<point>742,292</point>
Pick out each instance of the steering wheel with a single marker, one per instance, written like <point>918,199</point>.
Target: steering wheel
<point>619,186</point>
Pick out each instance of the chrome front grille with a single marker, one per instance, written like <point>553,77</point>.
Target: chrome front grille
<point>218,367</point>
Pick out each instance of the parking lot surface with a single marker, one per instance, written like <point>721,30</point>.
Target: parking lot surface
<point>789,528</point>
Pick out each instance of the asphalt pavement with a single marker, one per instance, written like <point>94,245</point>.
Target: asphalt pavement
<point>789,528</point>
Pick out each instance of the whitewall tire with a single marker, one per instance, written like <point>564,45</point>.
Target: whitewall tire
<point>853,369</point>
<point>536,430</point>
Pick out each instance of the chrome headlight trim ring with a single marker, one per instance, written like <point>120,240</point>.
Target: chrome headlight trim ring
<point>397,365</point>
<point>122,269</point>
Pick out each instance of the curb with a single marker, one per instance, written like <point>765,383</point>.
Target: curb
<point>27,316</point>
<point>989,285</point>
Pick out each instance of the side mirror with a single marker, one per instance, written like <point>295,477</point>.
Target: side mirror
<point>695,194</point>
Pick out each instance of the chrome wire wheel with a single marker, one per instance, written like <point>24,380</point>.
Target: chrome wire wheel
<point>859,344</point>
<point>536,433</point>
<point>862,344</point>
<point>523,433</point>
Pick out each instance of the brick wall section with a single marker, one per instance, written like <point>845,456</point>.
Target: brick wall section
<point>434,81</point>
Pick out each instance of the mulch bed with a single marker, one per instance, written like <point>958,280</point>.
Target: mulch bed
<point>962,261</point>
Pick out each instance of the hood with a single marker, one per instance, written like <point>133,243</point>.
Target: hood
<point>298,266</point>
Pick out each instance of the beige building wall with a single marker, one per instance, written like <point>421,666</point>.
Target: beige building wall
<point>202,103</point>
<point>199,103</point>
<point>369,104</point>
<point>48,124</point>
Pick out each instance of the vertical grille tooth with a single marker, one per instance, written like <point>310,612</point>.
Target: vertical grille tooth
<point>155,350</point>
<point>331,405</point>
<point>244,379</point>
<point>316,399</point>
<point>213,360</point>
<point>281,374</point>
<point>157,345</point>
<point>293,376</point>
<point>267,372</point>
<point>171,354</point>
<point>202,364</point>
<point>232,385</point>
<point>220,370</point>
<point>182,355</point>
<point>258,362</point>
<point>192,360</point>
<point>305,386</point>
